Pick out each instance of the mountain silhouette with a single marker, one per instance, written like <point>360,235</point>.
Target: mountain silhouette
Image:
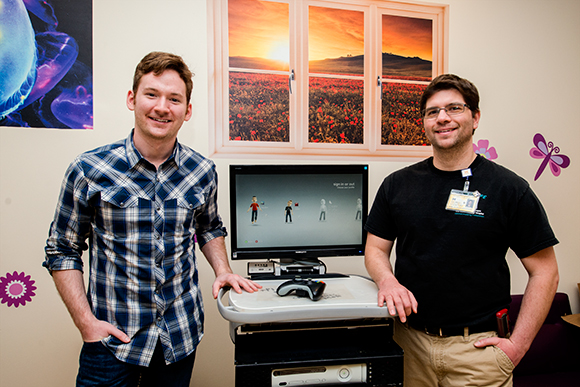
<point>393,65</point>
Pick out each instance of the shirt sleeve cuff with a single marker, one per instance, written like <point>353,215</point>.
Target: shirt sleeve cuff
<point>62,263</point>
<point>202,239</point>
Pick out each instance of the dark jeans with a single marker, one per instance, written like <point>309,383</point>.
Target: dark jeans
<point>99,367</point>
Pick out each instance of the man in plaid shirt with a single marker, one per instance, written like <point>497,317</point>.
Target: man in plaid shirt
<point>139,203</point>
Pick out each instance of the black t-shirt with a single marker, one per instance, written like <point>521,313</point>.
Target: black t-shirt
<point>454,262</point>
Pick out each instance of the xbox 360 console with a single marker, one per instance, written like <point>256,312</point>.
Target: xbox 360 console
<point>320,375</point>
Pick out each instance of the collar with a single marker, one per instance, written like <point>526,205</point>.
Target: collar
<point>474,164</point>
<point>134,156</point>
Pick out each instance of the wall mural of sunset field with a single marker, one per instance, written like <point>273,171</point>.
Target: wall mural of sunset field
<point>259,94</point>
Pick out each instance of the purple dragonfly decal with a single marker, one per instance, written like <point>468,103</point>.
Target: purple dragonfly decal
<point>548,152</point>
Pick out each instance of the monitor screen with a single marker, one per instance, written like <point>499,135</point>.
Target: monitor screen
<point>297,211</point>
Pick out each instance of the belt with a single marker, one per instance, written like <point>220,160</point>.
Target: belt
<point>485,326</point>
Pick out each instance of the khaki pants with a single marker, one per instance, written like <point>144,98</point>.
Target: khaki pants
<point>433,361</point>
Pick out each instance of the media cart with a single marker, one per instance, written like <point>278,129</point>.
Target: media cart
<point>342,339</point>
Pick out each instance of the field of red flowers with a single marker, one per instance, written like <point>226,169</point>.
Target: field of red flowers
<point>259,106</point>
<point>335,112</point>
<point>401,122</point>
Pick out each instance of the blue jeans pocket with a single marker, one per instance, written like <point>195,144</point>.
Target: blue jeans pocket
<point>99,367</point>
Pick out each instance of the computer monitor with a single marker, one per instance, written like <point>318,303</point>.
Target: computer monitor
<point>297,212</point>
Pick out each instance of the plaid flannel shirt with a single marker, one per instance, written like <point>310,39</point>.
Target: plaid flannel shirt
<point>141,224</point>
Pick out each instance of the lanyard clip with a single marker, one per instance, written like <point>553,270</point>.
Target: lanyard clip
<point>466,173</point>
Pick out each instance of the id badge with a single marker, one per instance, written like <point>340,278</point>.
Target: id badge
<point>462,201</point>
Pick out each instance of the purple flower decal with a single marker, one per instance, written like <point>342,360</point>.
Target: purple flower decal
<point>482,148</point>
<point>16,289</point>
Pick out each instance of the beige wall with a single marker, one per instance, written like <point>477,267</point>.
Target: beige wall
<point>523,55</point>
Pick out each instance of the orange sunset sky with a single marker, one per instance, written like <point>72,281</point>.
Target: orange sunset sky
<point>260,29</point>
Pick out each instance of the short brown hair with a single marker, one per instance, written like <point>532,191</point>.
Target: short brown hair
<point>452,81</point>
<point>157,62</point>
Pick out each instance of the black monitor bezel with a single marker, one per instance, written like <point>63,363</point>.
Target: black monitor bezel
<point>296,253</point>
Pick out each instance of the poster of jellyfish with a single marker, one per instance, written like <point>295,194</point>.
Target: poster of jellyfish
<point>46,58</point>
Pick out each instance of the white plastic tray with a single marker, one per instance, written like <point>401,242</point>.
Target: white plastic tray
<point>344,298</point>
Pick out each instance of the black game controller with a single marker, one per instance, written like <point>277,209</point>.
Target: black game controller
<point>303,288</point>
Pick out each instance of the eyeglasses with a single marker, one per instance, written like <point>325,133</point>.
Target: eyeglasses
<point>451,110</point>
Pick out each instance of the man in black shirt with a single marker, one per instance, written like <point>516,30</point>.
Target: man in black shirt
<point>454,216</point>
